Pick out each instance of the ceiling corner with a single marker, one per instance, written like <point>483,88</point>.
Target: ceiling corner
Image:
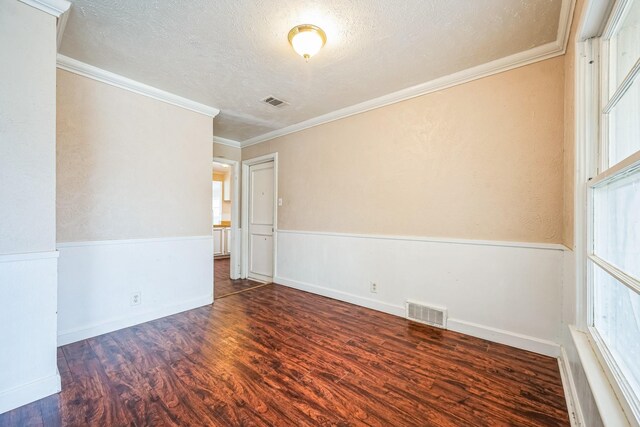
<point>227,142</point>
<point>56,8</point>
<point>564,24</point>
<point>80,68</point>
<point>52,7</point>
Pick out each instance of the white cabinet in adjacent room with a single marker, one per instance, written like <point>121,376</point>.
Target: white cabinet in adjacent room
<point>218,241</point>
<point>227,241</point>
<point>221,241</point>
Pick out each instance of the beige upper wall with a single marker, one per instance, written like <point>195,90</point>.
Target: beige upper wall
<point>569,131</point>
<point>482,160</point>
<point>129,166</point>
<point>27,129</point>
<point>231,153</point>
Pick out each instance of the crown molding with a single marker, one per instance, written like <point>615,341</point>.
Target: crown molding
<point>57,8</point>
<point>53,7</point>
<point>520,59</point>
<point>95,73</point>
<point>539,53</point>
<point>61,25</point>
<point>564,23</point>
<point>227,142</point>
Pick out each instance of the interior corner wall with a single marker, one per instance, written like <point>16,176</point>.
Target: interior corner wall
<point>420,195</point>
<point>133,208</point>
<point>28,277</point>
<point>568,147</point>
<point>224,151</point>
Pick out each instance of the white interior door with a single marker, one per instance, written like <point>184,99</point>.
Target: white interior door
<point>261,206</point>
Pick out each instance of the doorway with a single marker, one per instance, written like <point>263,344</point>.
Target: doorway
<point>259,218</point>
<point>225,216</point>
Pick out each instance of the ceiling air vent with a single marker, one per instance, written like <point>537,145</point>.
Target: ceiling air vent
<point>429,315</point>
<point>275,102</point>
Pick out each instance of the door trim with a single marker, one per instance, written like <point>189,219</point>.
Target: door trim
<point>234,233</point>
<point>244,269</point>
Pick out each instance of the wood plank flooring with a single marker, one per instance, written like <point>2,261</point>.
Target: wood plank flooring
<point>274,356</point>
<point>223,285</point>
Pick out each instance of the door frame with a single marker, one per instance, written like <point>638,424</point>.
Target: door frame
<point>234,232</point>
<point>244,270</point>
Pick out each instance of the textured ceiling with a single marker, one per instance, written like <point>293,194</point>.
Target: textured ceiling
<point>230,54</point>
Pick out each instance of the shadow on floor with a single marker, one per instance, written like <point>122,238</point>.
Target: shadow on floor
<point>223,285</point>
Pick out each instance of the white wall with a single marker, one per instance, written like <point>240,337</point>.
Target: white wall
<point>97,281</point>
<point>27,129</point>
<point>129,166</point>
<point>505,293</point>
<point>27,205</point>
<point>27,328</point>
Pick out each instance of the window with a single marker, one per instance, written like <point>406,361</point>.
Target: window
<point>614,207</point>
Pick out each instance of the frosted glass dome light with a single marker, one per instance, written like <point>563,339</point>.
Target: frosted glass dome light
<point>307,40</point>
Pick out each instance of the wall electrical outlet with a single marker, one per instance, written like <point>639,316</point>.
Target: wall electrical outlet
<point>373,287</point>
<point>136,298</point>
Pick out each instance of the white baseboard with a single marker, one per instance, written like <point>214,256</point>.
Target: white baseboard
<point>78,334</point>
<point>570,392</point>
<point>30,392</point>
<point>512,339</point>
<point>341,296</point>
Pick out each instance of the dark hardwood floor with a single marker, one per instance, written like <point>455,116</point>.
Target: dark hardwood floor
<point>282,357</point>
<point>223,285</point>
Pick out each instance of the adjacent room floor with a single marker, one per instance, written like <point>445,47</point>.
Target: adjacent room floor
<point>282,357</point>
<point>223,285</point>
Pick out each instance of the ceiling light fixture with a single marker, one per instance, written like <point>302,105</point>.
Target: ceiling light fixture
<point>307,40</point>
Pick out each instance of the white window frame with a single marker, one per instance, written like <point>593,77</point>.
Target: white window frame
<point>593,172</point>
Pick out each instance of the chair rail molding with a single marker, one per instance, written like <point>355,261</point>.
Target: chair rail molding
<point>529,245</point>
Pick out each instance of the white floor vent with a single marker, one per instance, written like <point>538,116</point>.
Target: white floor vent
<point>427,314</point>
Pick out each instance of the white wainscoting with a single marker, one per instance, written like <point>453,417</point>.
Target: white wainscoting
<point>97,281</point>
<point>28,333</point>
<point>507,292</point>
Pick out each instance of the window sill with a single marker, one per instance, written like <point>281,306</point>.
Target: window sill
<point>610,410</point>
